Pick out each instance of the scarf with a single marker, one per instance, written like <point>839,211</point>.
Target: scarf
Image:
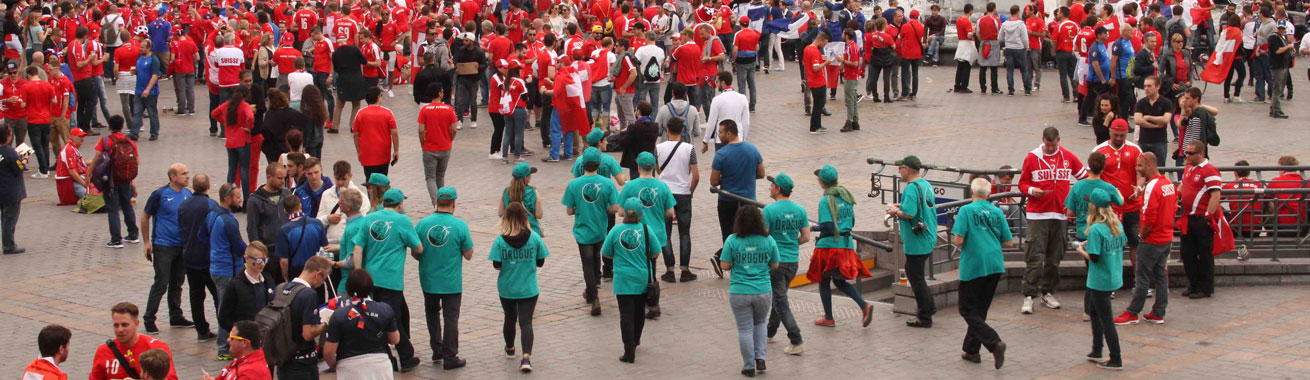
<point>833,193</point>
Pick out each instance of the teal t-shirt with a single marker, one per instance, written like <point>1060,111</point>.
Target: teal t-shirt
<point>983,227</point>
<point>347,246</point>
<point>656,198</point>
<point>590,197</point>
<point>529,203</point>
<point>785,220</point>
<point>609,167</point>
<point>750,257</point>
<point>631,246</point>
<point>1106,274</point>
<point>384,236</point>
<point>518,266</point>
<point>918,201</point>
<point>1078,201</point>
<point>845,221</point>
<point>441,267</point>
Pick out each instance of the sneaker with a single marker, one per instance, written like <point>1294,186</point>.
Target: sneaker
<point>223,357</point>
<point>151,328</point>
<point>1238,99</point>
<point>1095,357</point>
<point>1086,318</point>
<point>133,239</point>
<point>668,277</point>
<point>495,156</point>
<point>1049,301</point>
<point>825,322</point>
<point>1150,293</point>
<point>1112,295</point>
<point>868,314</point>
<point>549,159</point>
<point>40,175</point>
<point>770,340</point>
<point>1151,317</point>
<point>964,91</point>
<point>473,125</point>
<point>459,126</point>
<point>453,363</point>
<point>409,365</point>
<point>206,336</point>
<point>1113,365</point>
<point>1027,305</point>
<point>748,372</point>
<point>1126,319</point>
<point>509,352</point>
<point>114,245</point>
<point>794,350</point>
<point>525,365</point>
<point>820,131</point>
<point>181,324</point>
<point>714,263</point>
<point>1084,123</point>
<point>759,365</point>
<point>687,276</point>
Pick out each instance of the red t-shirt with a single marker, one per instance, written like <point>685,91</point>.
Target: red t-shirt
<point>238,135</point>
<point>711,68</point>
<point>962,28</point>
<point>988,28</point>
<point>230,62</point>
<point>125,57</point>
<point>1245,205</point>
<point>80,52</point>
<point>285,57</point>
<point>688,63</point>
<point>323,56</point>
<point>1084,40</point>
<point>500,48</point>
<point>1063,35</point>
<point>469,10</point>
<point>41,100</point>
<point>13,89</point>
<point>852,54</point>
<point>437,117</point>
<point>1121,171</point>
<point>373,54</point>
<point>1077,14</point>
<point>374,124</point>
<point>64,88</point>
<point>387,41</point>
<point>105,365</point>
<point>1289,209</point>
<point>184,55</point>
<point>747,40</point>
<point>627,69</point>
<point>815,76</point>
<point>1159,206</point>
<point>1197,181</point>
<point>305,20</point>
<point>910,36</point>
<point>1035,25</point>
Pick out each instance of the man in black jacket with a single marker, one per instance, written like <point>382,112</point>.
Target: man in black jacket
<point>264,214</point>
<point>466,85</point>
<point>195,252</point>
<point>12,190</point>
<point>426,76</point>
<point>248,292</point>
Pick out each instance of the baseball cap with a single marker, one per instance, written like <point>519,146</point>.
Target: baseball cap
<point>502,63</point>
<point>597,28</point>
<point>288,39</point>
<point>1131,20</point>
<point>911,162</point>
<point>522,169</point>
<point>77,132</point>
<point>446,193</point>
<point>1120,125</point>
<point>670,7</point>
<point>783,181</point>
<point>632,204</point>
<point>744,20</point>
<point>914,13</point>
<point>645,160</point>
<point>591,155</point>
<point>595,136</point>
<point>468,36</point>
<point>393,197</point>
<point>379,179</point>
<point>1100,198</point>
<point>514,63</point>
<point>11,64</point>
<point>827,174</point>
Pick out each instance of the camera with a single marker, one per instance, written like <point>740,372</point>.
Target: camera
<point>919,227</point>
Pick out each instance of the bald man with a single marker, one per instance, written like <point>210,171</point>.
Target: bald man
<point>195,252</point>
<point>164,247</point>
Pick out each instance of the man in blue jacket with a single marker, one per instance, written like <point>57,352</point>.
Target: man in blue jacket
<point>226,248</point>
<point>195,252</point>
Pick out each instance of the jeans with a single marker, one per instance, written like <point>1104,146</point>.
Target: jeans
<point>601,96</point>
<point>185,89</point>
<point>816,112</point>
<point>852,98</point>
<point>649,92</point>
<point>515,124</point>
<point>1103,330</point>
<point>1017,58</point>
<point>1065,63</point>
<point>238,161</point>
<point>221,283</point>
<point>1152,267</point>
<point>169,275</point>
<point>914,271</point>
<point>1261,72</point>
<point>396,299</point>
<point>751,311</point>
<point>85,103</point>
<point>681,211</point>
<point>320,81</point>
<point>465,91</point>
<point>626,110</point>
<point>632,320</point>
<point>556,135</point>
<point>745,73</point>
<point>198,280</point>
<point>8,222</point>
<point>438,308</point>
<point>975,299</point>
<point>1276,91</point>
<point>39,134</point>
<point>434,171</point>
<point>836,280</point>
<point>780,281</point>
<point>934,48</point>
<point>146,103</point>
<point>518,311</point>
<point>910,77</point>
<point>982,79</point>
<point>99,82</point>
<point>1042,256</point>
<point>1195,253</point>
<point>1238,68</point>
<point>128,103</point>
<point>704,96</point>
<point>1160,149</point>
<point>591,269</point>
<point>484,81</point>
<point>119,198</point>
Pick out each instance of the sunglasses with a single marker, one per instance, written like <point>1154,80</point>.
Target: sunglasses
<point>238,338</point>
<point>261,260</point>
<point>1191,152</point>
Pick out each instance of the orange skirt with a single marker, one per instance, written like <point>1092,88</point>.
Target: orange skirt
<point>842,260</point>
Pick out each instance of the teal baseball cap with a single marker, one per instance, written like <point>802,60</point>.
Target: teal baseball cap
<point>632,204</point>
<point>446,193</point>
<point>393,197</point>
<point>783,181</point>
<point>646,160</point>
<point>379,179</point>
<point>522,169</point>
<point>591,155</point>
<point>595,136</point>
<point>827,174</point>
<point>1100,198</point>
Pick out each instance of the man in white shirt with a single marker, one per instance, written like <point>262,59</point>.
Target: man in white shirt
<point>676,166</point>
<point>646,89</point>
<point>296,82</point>
<point>113,20</point>
<point>728,105</point>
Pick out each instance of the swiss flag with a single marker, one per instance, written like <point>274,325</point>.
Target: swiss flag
<point>568,100</point>
<point>1222,60</point>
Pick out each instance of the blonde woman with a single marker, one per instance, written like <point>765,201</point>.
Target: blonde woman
<point>520,191</point>
<point>516,254</point>
<point>1104,253</point>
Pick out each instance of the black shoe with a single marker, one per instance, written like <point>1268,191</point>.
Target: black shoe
<point>15,251</point>
<point>206,336</point>
<point>718,271</point>
<point>687,276</point>
<point>628,358</point>
<point>409,365</point>
<point>453,363</point>
<point>134,137</point>
<point>333,131</point>
<point>1112,364</point>
<point>668,277</point>
<point>748,372</point>
<point>964,91</point>
<point>1084,122</point>
<point>918,323</point>
<point>999,354</point>
<point>1095,357</point>
<point>1279,115</point>
<point>1198,295</point>
<point>1188,292</point>
<point>653,313</point>
<point>153,138</point>
<point>826,113</point>
<point>181,323</point>
<point>847,127</point>
<point>856,125</point>
<point>151,328</point>
<point>759,365</point>
<point>888,100</point>
<point>92,133</point>
<point>213,134</point>
<point>807,112</point>
<point>972,358</point>
<point>595,308</point>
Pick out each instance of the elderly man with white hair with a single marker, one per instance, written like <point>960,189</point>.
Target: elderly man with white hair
<point>980,231</point>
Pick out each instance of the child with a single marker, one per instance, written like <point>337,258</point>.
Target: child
<point>1104,252</point>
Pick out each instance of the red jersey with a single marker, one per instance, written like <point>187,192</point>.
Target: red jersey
<point>812,61</point>
<point>436,117</point>
<point>500,48</point>
<point>230,61</point>
<point>347,27</point>
<point>962,28</point>
<point>687,57</point>
<point>1077,13</point>
<point>40,99</point>
<point>1051,173</point>
<point>372,54</point>
<point>80,52</point>
<point>106,367</point>
<point>711,68</point>
<point>305,20</point>
<point>69,161</point>
<point>1245,206</point>
<point>989,28</point>
<point>184,55</point>
<point>125,57</point>
<point>1289,209</point>
<point>627,68</point>
<point>1035,25</point>
<point>373,125</point>
<point>1121,171</point>
<point>323,56</point>
<point>1063,35</point>
<point>747,40</point>
<point>64,88</point>
<point>468,11</point>
<point>853,54</point>
<point>388,38</point>
<point>1197,182</point>
<point>12,107</point>
<point>910,36</point>
<point>1084,41</point>
<point>285,57</point>
<point>514,21</point>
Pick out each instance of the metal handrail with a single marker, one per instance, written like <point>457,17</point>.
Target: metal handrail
<point>739,198</point>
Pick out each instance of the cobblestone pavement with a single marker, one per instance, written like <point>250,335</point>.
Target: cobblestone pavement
<point>67,277</point>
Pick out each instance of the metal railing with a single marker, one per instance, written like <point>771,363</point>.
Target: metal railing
<point>714,189</point>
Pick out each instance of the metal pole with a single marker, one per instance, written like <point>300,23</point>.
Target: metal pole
<point>735,197</point>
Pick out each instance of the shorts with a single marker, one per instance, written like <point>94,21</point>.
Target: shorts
<point>1131,227</point>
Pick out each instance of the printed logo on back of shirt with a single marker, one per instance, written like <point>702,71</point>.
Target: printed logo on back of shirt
<point>438,235</point>
<point>630,239</point>
<point>591,192</point>
<point>648,197</point>
<point>380,230</point>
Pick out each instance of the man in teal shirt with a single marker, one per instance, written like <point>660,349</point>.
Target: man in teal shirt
<point>980,230</point>
<point>656,205</point>
<point>917,214</point>
<point>591,199</point>
<point>380,248</point>
<point>790,227</point>
<point>351,202</point>
<point>445,240</point>
<point>609,168</point>
<point>1079,194</point>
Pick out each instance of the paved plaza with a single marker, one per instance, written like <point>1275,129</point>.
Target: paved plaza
<point>68,277</point>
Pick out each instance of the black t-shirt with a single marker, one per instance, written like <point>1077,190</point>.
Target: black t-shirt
<point>304,312</point>
<point>361,329</point>
<point>1276,60</point>
<point>1161,106</point>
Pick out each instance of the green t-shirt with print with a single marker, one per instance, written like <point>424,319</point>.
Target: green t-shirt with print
<point>844,222</point>
<point>609,167</point>
<point>983,227</point>
<point>384,236</point>
<point>590,197</point>
<point>441,267</point>
<point>529,203</point>
<point>785,220</point>
<point>518,266</point>
<point>656,198</point>
<point>1078,199</point>
<point>1106,274</point>
<point>751,257</point>
<point>918,201</point>
<point>631,246</point>
<point>347,247</point>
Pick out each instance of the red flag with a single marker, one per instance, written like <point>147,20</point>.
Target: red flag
<point>1222,59</point>
<point>568,101</point>
<point>1223,234</point>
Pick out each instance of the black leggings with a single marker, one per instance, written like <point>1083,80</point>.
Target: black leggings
<point>498,123</point>
<point>519,310</point>
<point>591,267</point>
<point>1102,323</point>
<point>1239,67</point>
<point>631,320</point>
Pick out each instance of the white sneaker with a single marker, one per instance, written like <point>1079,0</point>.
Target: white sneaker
<point>459,126</point>
<point>40,175</point>
<point>794,350</point>
<point>473,125</point>
<point>495,156</point>
<point>1150,293</point>
<point>390,94</point>
<point>1049,301</point>
<point>1027,305</point>
<point>1238,99</point>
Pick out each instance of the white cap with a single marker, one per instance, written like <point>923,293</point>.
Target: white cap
<point>469,36</point>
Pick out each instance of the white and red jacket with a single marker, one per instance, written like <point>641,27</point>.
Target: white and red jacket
<point>1052,173</point>
<point>229,62</point>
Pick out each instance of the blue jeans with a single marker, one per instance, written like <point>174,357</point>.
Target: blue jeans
<point>221,283</point>
<point>143,104</point>
<point>99,83</point>
<point>556,133</point>
<point>746,79</point>
<point>649,92</point>
<point>238,161</point>
<point>515,124</point>
<point>751,311</point>
<point>119,198</point>
<point>601,97</point>
<point>1260,71</point>
<point>1017,58</point>
<point>934,47</point>
<point>1160,149</point>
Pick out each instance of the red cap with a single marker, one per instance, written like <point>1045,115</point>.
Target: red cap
<point>514,64</point>
<point>1131,20</point>
<point>77,132</point>
<point>914,13</point>
<point>744,20</point>
<point>1120,125</point>
<point>288,39</point>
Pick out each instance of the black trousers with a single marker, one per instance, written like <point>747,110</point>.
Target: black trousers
<point>86,102</point>
<point>607,263</point>
<point>299,369</point>
<point>369,170</point>
<point>1239,68</point>
<point>727,217</point>
<point>1124,89</point>
<point>198,280</point>
<point>169,275</point>
<point>591,269</point>
<point>982,78</point>
<point>1089,103</point>
<point>1103,330</point>
<point>1195,252</point>
<point>962,75</point>
<point>975,300</point>
<point>519,311</point>
<point>910,77</point>
<point>396,299</point>
<point>631,320</point>
<point>498,125</point>
<point>543,121</point>
<point>816,112</point>
<point>439,307</point>
<point>914,270</point>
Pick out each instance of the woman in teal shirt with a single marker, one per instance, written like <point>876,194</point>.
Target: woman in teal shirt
<point>1104,253</point>
<point>517,253</point>
<point>750,253</point>
<point>520,191</point>
<point>632,246</point>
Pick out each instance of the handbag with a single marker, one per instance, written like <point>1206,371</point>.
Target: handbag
<point>652,286</point>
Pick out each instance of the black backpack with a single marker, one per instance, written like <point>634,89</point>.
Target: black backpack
<point>650,71</point>
<point>275,327</point>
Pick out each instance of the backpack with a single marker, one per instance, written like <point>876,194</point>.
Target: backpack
<point>275,328</point>
<point>109,35</point>
<point>686,124</point>
<point>100,174</point>
<point>124,158</point>
<point>1172,29</point>
<point>650,72</point>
